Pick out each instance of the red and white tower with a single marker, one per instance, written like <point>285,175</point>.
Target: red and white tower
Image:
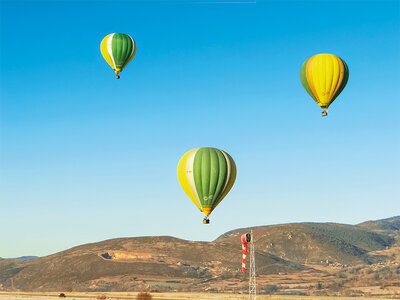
<point>247,239</point>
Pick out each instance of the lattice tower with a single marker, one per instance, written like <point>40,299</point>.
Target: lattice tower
<point>252,279</point>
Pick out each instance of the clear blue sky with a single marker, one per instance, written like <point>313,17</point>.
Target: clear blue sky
<point>85,157</point>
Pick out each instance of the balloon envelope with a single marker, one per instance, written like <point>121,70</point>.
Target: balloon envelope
<point>324,76</point>
<point>206,175</point>
<point>118,50</point>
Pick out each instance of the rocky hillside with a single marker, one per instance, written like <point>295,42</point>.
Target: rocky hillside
<point>171,264</point>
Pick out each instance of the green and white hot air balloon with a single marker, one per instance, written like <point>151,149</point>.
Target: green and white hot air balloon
<point>118,50</point>
<point>206,175</point>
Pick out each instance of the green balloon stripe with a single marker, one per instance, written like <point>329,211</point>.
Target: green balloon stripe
<point>210,175</point>
<point>122,46</point>
<point>222,177</point>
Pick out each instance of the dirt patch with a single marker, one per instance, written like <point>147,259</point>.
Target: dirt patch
<point>124,255</point>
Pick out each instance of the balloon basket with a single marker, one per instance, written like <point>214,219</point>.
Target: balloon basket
<point>206,220</point>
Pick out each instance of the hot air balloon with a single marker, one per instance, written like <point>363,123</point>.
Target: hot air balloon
<point>206,175</point>
<point>324,76</point>
<point>118,50</point>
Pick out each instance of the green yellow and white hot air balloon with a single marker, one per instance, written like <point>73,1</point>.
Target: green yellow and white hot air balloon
<point>324,77</point>
<point>118,50</point>
<point>206,175</point>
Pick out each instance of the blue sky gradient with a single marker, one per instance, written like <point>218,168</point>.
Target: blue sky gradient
<point>85,157</point>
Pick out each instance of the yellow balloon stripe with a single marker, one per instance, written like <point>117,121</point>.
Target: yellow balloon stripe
<point>322,64</point>
<point>339,76</point>
<point>318,78</point>
<point>104,51</point>
<point>329,76</point>
<point>335,78</point>
<point>310,77</point>
<point>182,177</point>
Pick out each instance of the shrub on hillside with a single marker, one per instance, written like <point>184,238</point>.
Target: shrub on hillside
<point>352,293</point>
<point>143,296</point>
<point>355,270</point>
<point>295,293</point>
<point>341,275</point>
<point>270,289</point>
<point>335,286</point>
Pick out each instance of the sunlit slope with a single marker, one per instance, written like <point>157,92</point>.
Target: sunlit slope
<point>317,243</point>
<point>389,224</point>
<point>125,263</point>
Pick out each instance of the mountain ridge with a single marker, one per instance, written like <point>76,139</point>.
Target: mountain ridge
<point>166,263</point>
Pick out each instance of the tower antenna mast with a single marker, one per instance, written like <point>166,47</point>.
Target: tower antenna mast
<point>252,279</point>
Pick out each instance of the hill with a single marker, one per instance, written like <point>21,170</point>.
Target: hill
<point>306,253</point>
<point>389,224</point>
<point>317,243</point>
<point>21,257</point>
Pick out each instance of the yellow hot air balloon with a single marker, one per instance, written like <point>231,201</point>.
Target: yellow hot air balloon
<point>324,76</point>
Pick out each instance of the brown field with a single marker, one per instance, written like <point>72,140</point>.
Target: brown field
<point>163,296</point>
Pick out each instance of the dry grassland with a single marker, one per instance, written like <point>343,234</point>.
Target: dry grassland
<point>161,296</point>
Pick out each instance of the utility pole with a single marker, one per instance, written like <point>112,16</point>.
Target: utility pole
<point>252,279</point>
